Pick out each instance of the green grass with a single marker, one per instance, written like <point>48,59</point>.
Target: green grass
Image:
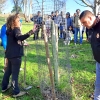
<point>82,71</point>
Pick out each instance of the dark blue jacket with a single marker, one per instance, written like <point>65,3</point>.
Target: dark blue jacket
<point>69,22</point>
<point>37,19</point>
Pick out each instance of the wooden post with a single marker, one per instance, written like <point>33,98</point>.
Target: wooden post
<point>55,49</point>
<point>25,55</point>
<point>49,63</point>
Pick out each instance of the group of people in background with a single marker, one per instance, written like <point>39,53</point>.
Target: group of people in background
<point>86,22</point>
<point>68,26</point>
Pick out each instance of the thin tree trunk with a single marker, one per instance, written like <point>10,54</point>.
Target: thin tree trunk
<point>25,14</point>
<point>30,5</point>
<point>49,63</point>
<point>55,50</point>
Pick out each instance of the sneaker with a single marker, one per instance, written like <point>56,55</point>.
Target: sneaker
<point>21,93</point>
<point>65,42</point>
<point>3,71</point>
<point>69,43</point>
<point>75,44</point>
<point>21,69</point>
<point>9,86</point>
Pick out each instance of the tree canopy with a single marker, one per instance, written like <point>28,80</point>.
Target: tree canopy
<point>18,9</point>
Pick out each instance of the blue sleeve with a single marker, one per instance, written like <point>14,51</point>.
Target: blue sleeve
<point>21,20</point>
<point>32,19</point>
<point>4,36</point>
<point>0,33</point>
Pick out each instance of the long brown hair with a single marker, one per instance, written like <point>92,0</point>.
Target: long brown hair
<point>11,21</point>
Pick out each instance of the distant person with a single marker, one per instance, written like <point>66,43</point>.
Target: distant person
<point>37,19</point>
<point>4,43</point>
<point>48,26</point>
<point>62,27</point>
<point>57,20</point>
<point>89,20</point>
<point>69,35</point>
<point>68,24</point>
<point>61,31</point>
<point>69,20</point>
<point>52,15</point>
<point>73,21</point>
<point>14,53</point>
<point>78,28</point>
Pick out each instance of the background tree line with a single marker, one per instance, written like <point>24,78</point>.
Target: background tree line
<point>25,6</point>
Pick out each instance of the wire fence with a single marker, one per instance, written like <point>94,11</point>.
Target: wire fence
<point>54,68</point>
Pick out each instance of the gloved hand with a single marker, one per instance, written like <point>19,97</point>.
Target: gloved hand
<point>35,28</point>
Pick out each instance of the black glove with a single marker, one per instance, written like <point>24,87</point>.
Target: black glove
<point>31,32</point>
<point>35,29</point>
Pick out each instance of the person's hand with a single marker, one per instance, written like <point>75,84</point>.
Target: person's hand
<point>30,32</point>
<point>35,28</point>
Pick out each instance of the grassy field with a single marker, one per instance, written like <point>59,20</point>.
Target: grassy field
<point>82,68</point>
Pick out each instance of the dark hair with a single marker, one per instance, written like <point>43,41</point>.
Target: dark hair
<point>68,13</point>
<point>56,11</point>
<point>84,13</point>
<point>11,20</point>
<point>77,10</point>
<point>52,12</point>
<point>39,12</point>
<point>17,13</point>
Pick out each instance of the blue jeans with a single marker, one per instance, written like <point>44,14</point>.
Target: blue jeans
<point>97,83</point>
<point>61,34</point>
<point>78,30</point>
<point>12,68</point>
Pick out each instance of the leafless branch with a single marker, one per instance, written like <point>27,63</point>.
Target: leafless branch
<point>80,4</point>
<point>86,3</point>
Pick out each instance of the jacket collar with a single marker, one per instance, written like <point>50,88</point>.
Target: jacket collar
<point>97,20</point>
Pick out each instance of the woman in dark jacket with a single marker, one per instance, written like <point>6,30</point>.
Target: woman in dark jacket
<point>14,53</point>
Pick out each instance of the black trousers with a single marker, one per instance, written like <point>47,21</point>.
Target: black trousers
<point>13,69</point>
<point>36,35</point>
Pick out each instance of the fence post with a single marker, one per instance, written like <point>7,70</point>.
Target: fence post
<point>49,63</point>
<point>55,50</point>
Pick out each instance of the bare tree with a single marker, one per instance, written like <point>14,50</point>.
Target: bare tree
<point>17,4</point>
<point>30,7</point>
<point>2,3</point>
<point>94,5</point>
<point>27,5</point>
